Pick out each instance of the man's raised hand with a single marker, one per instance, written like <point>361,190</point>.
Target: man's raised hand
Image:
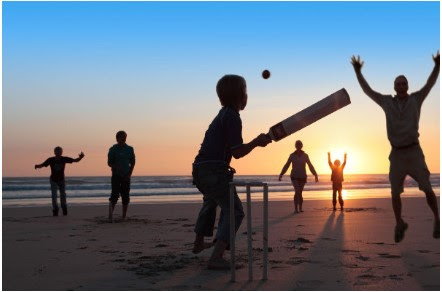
<point>436,58</point>
<point>357,63</point>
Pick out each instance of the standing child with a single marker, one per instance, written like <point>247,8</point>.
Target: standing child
<point>56,179</point>
<point>121,158</point>
<point>212,173</point>
<point>337,177</point>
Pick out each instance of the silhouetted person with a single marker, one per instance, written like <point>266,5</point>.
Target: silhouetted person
<point>56,179</point>
<point>298,159</point>
<point>406,158</point>
<point>337,177</point>
<point>212,173</point>
<point>121,158</point>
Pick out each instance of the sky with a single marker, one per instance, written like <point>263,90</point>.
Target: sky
<point>75,73</point>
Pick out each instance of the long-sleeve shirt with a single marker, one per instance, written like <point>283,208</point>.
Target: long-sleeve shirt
<point>298,160</point>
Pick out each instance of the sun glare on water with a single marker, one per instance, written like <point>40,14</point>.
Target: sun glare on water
<point>344,194</point>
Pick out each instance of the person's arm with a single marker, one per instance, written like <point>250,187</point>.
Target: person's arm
<point>242,150</point>
<point>286,166</point>
<point>44,164</point>
<point>110,158</point>
<point>422,94</point>
<point>345,160</point>
<point>80,157</point>
<point>312,169</point>
<point>357,65</point>
<point>132,163</point>
<point>329,160</point>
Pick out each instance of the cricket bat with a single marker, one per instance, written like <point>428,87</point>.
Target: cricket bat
<point>309,115</point>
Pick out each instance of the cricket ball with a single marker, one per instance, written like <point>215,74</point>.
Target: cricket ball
<point>266,74</point>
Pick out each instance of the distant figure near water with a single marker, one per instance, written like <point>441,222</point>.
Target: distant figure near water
<point>406,157</point>
<point>57,164</point>
<point>121,159</point>
<point>298,159</point>
<point>212,172</point>
<point>337,177</point>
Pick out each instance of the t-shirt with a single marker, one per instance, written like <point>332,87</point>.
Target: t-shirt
<point>57,166</point>
<point>223,135</point>
<point>402,119</point>
<point>121,159</point>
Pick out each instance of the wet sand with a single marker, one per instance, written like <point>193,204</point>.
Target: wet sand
<point>315,250</point>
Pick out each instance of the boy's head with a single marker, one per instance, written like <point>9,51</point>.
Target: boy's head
<point>58,151</point>
<point>401,85</point>
<point>337,162</point>
<point>232,91</point>
<point>121,137</point>
<point>298,145</point>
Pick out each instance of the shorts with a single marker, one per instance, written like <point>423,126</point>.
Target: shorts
<point>120,186</point>
<point>337,186</point>
<point>408,161</point>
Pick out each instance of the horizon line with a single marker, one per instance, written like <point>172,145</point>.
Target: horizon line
<point>163,175</point>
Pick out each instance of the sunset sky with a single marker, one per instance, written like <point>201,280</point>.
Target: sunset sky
<point>74,73</point>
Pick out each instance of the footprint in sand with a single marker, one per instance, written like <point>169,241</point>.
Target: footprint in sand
<point>161,245</point>
<point>362,258</point>
<point>395,277</point>
<point>349,250</point>
<point>302,240</point>
<point>389,256</point>
<point>369,277</point>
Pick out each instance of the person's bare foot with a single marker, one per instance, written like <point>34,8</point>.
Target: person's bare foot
<point>399,231</point>
<point>199,247</point>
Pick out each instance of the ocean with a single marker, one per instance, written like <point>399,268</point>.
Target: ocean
<point>29,191</point>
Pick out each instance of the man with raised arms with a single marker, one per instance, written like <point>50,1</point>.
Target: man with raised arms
<point>402,112</point>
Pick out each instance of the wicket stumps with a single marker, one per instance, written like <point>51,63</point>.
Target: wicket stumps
<point>249,228</point>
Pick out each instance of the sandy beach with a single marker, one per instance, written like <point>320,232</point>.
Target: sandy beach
<point>315,250</point>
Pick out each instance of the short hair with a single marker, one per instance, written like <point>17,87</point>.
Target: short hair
<point>120,133</point>
<point>230,89</point>
<point>58,148</point>
<point>298,142</point>
<point>400,76</point>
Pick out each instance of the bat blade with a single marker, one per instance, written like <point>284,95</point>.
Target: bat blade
<point>309,115</point>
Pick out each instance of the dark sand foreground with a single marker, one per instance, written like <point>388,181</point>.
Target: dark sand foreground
<point>315,250</point>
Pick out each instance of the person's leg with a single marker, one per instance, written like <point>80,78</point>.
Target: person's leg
<point>334,197</point>
<point>223,234</point>
<point>420,173</point>
<point>341,201</point>
<point>205,224</point>
<point>54,188</point>
<point>301,185</point>
<point>398,171</point>
<point>125,199</point>
<point>62,188</point>
<point>295,184</point>
<point>115,182</point>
